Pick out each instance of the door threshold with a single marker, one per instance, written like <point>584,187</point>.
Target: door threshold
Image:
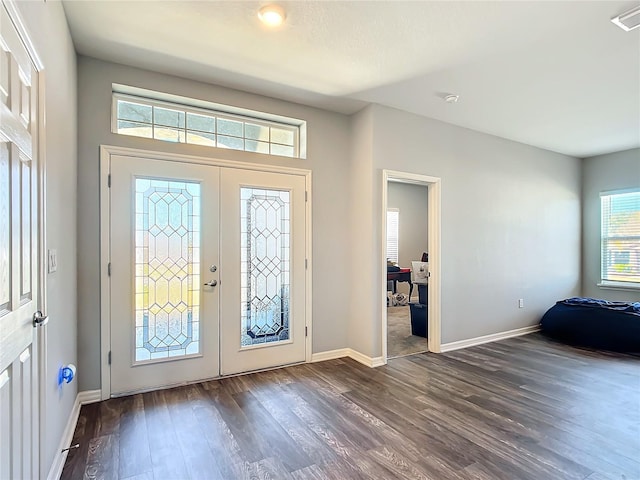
<point>408,354</point>
<point>210,379</point>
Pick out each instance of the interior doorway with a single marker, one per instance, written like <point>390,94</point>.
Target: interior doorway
<point>411,254</point>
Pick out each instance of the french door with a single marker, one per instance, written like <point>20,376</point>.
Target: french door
<point>207,271</point>
<point>19,267</point>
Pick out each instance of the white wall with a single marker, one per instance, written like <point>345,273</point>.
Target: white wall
<point>510,223</point>
<point>47,27</point>
<point>411,201</point>
<point>327,157</point>
<point>615,171</point>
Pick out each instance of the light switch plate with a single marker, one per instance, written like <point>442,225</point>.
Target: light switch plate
<point>53,261</point>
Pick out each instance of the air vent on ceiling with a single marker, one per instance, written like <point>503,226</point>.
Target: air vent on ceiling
<point>628,20</point>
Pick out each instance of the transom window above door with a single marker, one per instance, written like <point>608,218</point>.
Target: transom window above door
<point>213,125</point>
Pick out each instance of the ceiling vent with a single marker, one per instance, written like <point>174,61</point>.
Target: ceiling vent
<point>628,20</point>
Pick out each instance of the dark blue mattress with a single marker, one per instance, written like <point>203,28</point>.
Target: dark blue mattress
<point>595,323</point>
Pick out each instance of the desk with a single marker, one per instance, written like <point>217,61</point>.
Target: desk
<point>404,275</point>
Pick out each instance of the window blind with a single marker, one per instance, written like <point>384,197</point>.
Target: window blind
<point>393,216</point>
<point>620,236</point>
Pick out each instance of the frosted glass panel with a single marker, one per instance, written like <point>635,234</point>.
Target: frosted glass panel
<point>5,230</point>
<point>265,266</point>
<point>25,166</point>
<point>167,280</point>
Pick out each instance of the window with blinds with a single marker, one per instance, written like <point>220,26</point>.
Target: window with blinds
<point>620,238</point>
<point>393,216</point>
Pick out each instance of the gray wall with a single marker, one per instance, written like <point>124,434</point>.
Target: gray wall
<point>510,223</point>
<point>47,27</point>
<point>615,171</point>
<point>412,201</point>
<point>327,157</point>
<point>364,288</point>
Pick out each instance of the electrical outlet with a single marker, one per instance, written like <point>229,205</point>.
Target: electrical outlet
<point>521,303</point>
<point>53,261</point>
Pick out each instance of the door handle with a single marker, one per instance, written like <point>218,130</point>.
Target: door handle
<point>39,319</point>
<point>211,283</point>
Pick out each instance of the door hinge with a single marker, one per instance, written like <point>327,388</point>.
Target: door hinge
<point>109,180</point>
<point>306,263</point>
<point>306,196</point>
<point>109,357</point>
<point>109,269</point>
<point>306,331</point>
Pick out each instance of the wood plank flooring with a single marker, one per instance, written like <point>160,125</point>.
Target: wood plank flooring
<point>524,408</point>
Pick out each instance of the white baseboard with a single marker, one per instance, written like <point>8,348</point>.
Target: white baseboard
<point>361,358</point>
<point>445,347</point>
<point>83,398</point>
<point>330,355</point>
<point>347,352</point>
<point>494,337</point>
<point>89,396</point>
<point>377,362</point>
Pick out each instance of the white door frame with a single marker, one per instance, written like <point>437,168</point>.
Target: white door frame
<point>106,151</point>
<point>40,342</point>
<point>433,238</point>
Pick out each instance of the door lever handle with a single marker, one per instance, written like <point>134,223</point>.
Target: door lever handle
<point>39,319</point>
<point>211,283</point>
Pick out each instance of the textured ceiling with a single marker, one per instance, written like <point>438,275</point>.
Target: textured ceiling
<point>557,75</point>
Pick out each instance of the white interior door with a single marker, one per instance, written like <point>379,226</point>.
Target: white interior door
<point>19,236</point>
<point>207,271</point>
<point>262,270</point>
<point>164,248</point>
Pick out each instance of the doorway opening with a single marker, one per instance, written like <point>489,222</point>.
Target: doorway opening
<point>410,264</point>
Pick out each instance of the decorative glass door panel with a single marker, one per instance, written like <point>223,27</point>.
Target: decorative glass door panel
<point>164,320</point>
<point>167,256</point>
<point>265,265</point>
<point>262,271</point>
<point>207,271</point>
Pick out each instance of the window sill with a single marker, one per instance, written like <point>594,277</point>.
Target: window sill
<point>605,285</point>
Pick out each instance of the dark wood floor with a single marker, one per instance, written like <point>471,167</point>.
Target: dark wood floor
<point>523,408</point>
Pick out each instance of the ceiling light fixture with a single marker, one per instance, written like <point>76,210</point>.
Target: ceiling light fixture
<point>628,20</point>
<point>451,98</point>
<point>272,15</point>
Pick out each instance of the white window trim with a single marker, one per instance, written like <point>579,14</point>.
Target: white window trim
<point>149,98</point>
<point>611,284</point>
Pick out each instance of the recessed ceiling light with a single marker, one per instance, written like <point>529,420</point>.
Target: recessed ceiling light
<point>451,98</point>
<point>272,15</point>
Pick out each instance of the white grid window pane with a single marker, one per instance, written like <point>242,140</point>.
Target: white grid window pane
<point>620,237</point>
<point>172,122</point>
<point>393,217</point>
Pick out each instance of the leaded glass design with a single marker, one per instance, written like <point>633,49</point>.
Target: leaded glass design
<point>167,269</point>
<point>265,265</point>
